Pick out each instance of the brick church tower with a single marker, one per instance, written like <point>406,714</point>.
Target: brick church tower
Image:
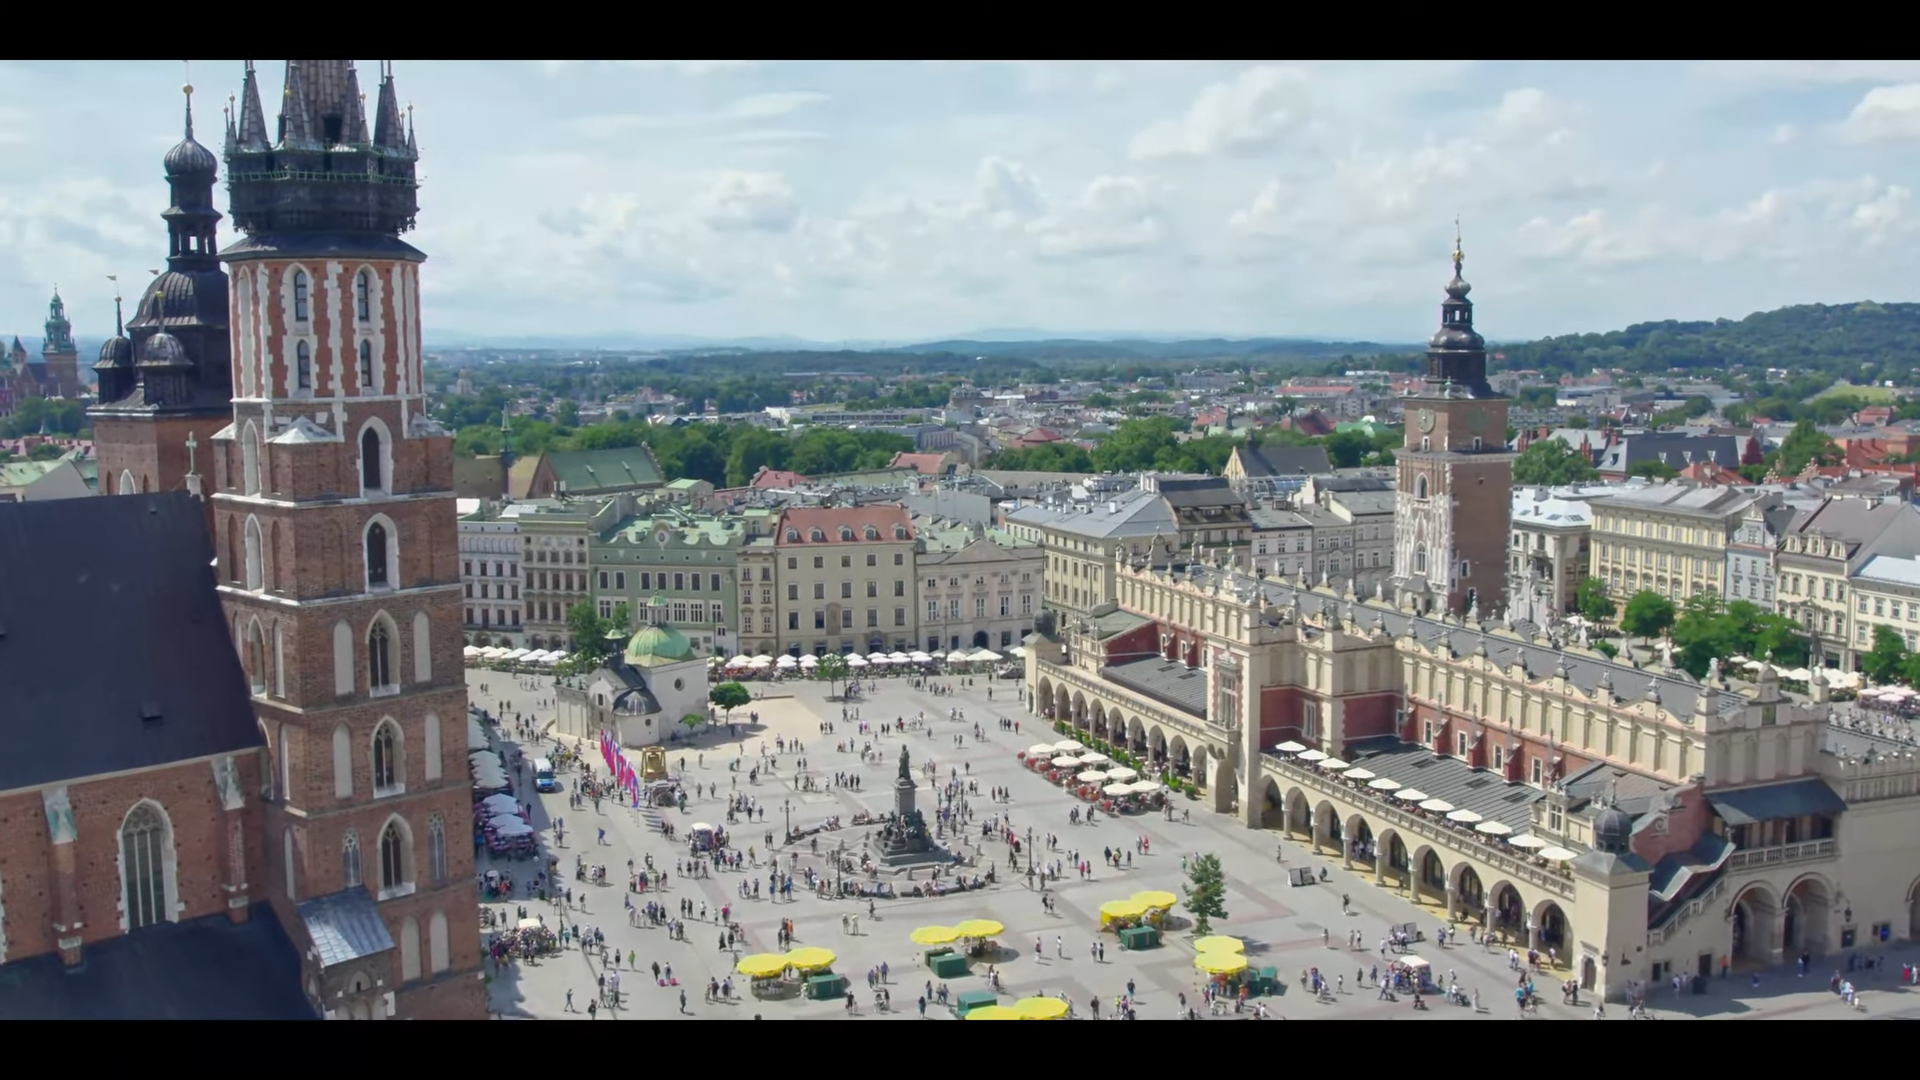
<point>335,524</point>
<point>1453,501</point>
<point>165,385</point>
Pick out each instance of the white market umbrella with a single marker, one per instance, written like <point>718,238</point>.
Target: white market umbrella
<point>1464,817</point>
<point>511,827</point>
<point>1094,757</point>
<point>1411,795</point>
<point>1334,764</point>
<point>1145,787</point>
<point>809,660</point>
<point>1069,746</point>
<point>1065,761</point>
<point>519,654</point>
<point>877,657</point>
<point>1040,750</point>
<point>858,661</point>
<point>482,759</point>
<point>1437,806</point>
<point>920,657</point>
<point>471,651</point>
<point>1017,652</point>
<point>1557,854</point>
<point>985,656</point>
<point>787,660</point>
<point>501,802</point>
<point>1117,789</point>
<point>763,661</point>
<point>1289,747</point>
<point>900,658</point>
<point>1381,783</point>
<point>1091,776</point>
<point>1492,828</point>
<point>740,662</point>
<point>1123,773</point>
<point>1527,842</point>
<point>1359,774</point>
<point>1313,755</point>
<point>957,656</point>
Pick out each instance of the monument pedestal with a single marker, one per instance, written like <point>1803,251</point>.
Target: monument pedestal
<point>905,839</point>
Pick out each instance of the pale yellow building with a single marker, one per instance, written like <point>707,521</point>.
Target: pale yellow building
<point>843,580</point>
<point>1666,538</point>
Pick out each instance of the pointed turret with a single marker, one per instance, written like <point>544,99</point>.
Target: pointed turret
<point>251,132</point>
<point>355,128</point>
<point>389,131</point>
<point>296,127</point>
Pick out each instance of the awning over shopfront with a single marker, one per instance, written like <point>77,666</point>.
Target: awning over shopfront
<point>1776,802</point>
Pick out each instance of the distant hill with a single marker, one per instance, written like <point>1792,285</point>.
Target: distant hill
<point>1839,339</point>
<point>1200,349</point>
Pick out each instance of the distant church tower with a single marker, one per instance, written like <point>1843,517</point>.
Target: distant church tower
<point>335,520</point>
<point>165,385</point>
<point>1453,501</point>
<point>58,357</point>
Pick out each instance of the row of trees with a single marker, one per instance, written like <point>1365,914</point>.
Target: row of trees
<point>1552,463</point>
<point>1704,627</point>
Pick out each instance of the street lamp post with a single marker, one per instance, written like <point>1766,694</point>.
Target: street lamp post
<point>787,806</point>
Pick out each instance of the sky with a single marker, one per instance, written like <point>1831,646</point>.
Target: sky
<point>911,201</point>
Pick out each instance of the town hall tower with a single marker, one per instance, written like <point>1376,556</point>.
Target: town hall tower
<point>335,526</point>
<point>1452,503</point>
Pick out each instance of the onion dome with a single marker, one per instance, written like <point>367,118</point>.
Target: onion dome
<point>163,350</point>
<point>116,351</point>
<point>1613,830</point>
<point>189,160</point>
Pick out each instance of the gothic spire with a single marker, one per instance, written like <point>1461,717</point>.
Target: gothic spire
<point>389,130</point>
<point>355,128</point>
<point>251,134</point>
<point>296,127</point>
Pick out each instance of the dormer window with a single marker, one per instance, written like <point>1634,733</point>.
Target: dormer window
<point>872,533</point>
<point>793,536</point>
<point>816,536</point>
<point>846,533</point>
<point>899,532</point>
<point>300,312</point>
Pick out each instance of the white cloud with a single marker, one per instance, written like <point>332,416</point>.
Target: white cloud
<point>555,68</point>
<point>763,202</point>
<point>1810,72</point>
<point>1885,113</point>
<point>1246,114</point>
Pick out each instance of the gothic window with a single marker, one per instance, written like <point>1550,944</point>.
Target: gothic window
<point>350,859</point>
<point>362,300</point>
<point>379,657</point>
<point>250,459</point>
<point>146,852</point>
<point>303,366</point>
<point>256,576</point>
<point>1419,487</point>
<point>386,758</point>
<point>393,857</point>
<point>437,849</point>
<point>372,467</point>
<point>256,657</point>
<point>366,364</point>
<point>377,554</point>
<point>300,295</point>
<point>1420,561</point>
<point>127,485</point>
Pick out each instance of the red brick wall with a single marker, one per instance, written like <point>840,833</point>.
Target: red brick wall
<point>1368,715</point>
<point>185,792</point>
<point>1136,644</point>
<point>1279,715</point>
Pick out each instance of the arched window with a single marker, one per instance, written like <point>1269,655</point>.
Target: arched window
<point>372,467</point>
<point>303,366</point>
<point>846,533</point>
<point>350,859</point>
<point>872,533</point>
<point>146,857</point>
<point>300,295</point>
<point>127,485</point>
<point>409,949</point>
<point>366,364</point>
<point>376,553</point>
<point>362,296</point>
<point>387,773</point>
<point>256,575</point>
<point>256,657</point>
<point>793,536</point>
<point>816,535</point>
<point>250,460</point>
<point>899,532</point>
<point>437,849</point>
<point>393,857</point>
<point>379,657</point>
<point>1419,487</point>
<point>1420,560</point>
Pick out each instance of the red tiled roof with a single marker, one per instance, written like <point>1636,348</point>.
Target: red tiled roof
<point>925,464</point>
<point>797,525</point>
<point>776,478</point>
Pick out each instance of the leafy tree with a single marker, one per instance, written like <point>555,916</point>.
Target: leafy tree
<point>1647,614</point>
<point>1047,457</point>
<point>1206,891</point>
<point>1552,463</point>
<point>1653,469</point>
<point>729,696</point>
<point>1347,448</point>
<point>833,668</point>
<point>1703,632</point>
<point>1590,599</point>
<point>590,633</point>
<point>1806,443</point>
<point>1889,655</point>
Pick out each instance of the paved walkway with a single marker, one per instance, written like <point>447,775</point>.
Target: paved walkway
<point>1288,928</point>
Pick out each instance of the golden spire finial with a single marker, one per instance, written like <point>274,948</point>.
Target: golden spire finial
<point>1458,258</point>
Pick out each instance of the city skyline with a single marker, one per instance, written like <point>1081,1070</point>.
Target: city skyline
<point>917,201</point>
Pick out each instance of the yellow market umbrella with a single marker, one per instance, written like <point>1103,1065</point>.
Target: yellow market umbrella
<point>810,958</point>
<point>761,965</point>
<point>1220,963</point>
<point>993,1012</point>
<point>934,935</point>
<point>1123,909</point>
<point>1220,943</point>
<point>982,928</point>
<point>1041,1008</point>
<point>1156,898</point>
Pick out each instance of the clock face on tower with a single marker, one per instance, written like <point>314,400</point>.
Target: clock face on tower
<point>1426,419</point>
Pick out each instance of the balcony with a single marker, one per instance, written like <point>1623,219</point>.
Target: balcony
<point>1781,854</point>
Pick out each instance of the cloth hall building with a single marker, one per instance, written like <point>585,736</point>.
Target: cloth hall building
<point>1696,825</point>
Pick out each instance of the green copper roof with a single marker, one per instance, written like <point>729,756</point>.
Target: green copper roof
<point>658,644</point>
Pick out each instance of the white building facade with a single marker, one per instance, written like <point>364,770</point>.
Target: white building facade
<point>490,574</point>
